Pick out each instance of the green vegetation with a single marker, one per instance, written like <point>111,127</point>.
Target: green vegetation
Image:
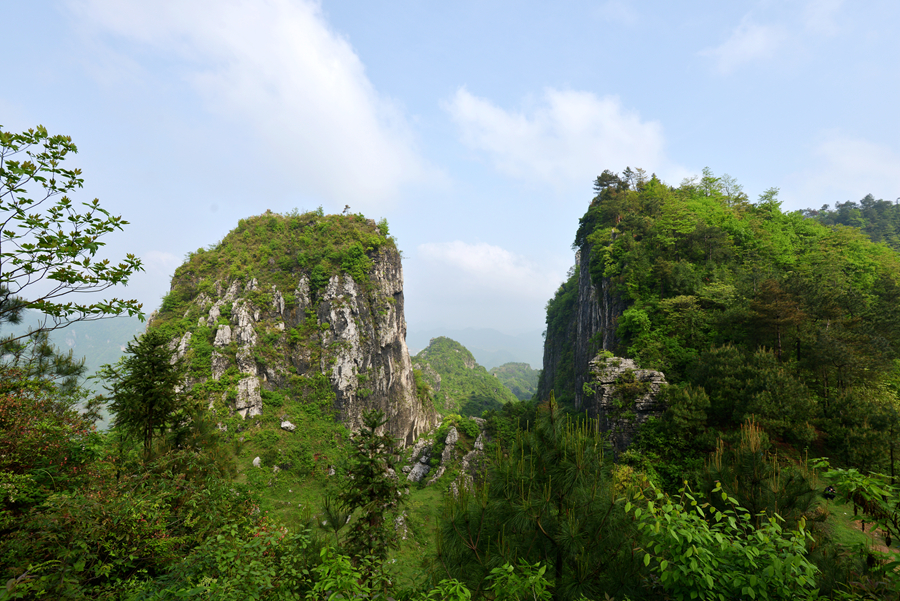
<point>463,386</point>
<point>276,250</point>
<point>878,219</point>
<point>778,335</point>
<point>520,378</point>
<point>769,314</point>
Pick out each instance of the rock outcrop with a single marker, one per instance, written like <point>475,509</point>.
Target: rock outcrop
<point>423,461</point>
<point>623,396</point>
<point>342,319</point>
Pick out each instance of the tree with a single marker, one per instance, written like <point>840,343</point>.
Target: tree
<point>551,499</point>
<point>47,255</point>
<point>143,388</point>
<point>373,490</point>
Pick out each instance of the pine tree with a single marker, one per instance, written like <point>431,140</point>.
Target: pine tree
<point>550,499</point>
<point>143,387</point>
<point>372,492</point>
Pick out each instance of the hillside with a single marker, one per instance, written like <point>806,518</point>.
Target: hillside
<point>878,219</point>
<point>490,347</point>
<point>458,384</point>
<point>520,378</point>
<point>293,318</point>
<point>746,309</point>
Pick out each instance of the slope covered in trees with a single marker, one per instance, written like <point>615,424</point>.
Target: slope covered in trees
<point>520,378</point>
<point>458,384</point>
<point>878,219</point>
<point>749,311</point>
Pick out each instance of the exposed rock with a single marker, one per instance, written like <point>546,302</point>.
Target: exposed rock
<point>249,400</point>
<point>232,292</point>
<point>214,314</point>
<point>418,471</point>
<point>246,362</point>
<point>277,302</point>
<point>182,347</point>
<point>368,337</point>
<point>219,364</point>
<point>223,336</point>
<point>356,336</point>
<point>242,316</point>
<point>437,475</point>
<point>591,329</point>
<point>302,294</point>
<point>202,300</point>
<point>450,446</point>
<point>614,380</point>
<point>286,425</point>
<point>257,462</point>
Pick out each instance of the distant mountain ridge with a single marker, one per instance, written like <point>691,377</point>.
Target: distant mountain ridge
<point>490,347</point>
<point>458,383</point>
<point>520,378</point>
<point>99,341</point>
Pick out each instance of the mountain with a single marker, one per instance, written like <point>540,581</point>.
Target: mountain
<point>520,378</point>
<point>458,383</point>
<point>748,311</point>
<point>293,318</point>
<point>99,341</point>
<point>490,347</point>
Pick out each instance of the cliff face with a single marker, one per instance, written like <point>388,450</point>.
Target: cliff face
<point>368,336</point>
<point>622,395</point>
<point>581,321</point>
<point>597,313</point>
<point>333,334</point>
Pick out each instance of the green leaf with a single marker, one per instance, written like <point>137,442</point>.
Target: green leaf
<point>646,559</point>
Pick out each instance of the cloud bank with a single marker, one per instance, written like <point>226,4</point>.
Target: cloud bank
<point>278,68</point>
<point>846,168</point>
<point>568,137</point>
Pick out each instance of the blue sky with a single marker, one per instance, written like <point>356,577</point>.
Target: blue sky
<point>475,128</point>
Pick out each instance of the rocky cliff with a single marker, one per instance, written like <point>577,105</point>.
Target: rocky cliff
<point>306,308</point>
<point>622,396</point>
<point>581,322</point>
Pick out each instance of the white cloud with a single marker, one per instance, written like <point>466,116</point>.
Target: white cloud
<point>160,263</point>
<point>277,67</point>
<point>484,268</point>
<point>747,43</point>
<point>568,138</point>
<point>846,168</point>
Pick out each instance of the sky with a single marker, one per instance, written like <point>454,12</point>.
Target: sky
<point>476,128</point>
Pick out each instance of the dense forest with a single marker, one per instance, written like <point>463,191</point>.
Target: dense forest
<point>777,332</point>
<point>878,219</point>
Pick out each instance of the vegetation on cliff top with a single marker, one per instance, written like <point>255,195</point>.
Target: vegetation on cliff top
<point>465,387</point>
<point>279,250</point>
<point>750,311</point>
